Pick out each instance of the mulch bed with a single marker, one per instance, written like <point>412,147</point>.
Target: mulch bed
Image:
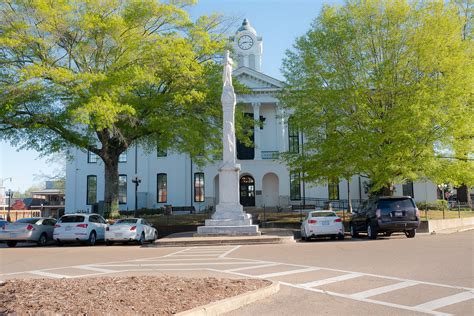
<point>152,295</point>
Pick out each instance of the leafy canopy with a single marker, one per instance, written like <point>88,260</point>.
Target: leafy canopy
<point>384,88</point>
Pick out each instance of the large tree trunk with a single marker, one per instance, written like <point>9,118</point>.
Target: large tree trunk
<point>111,186</point>
<point>388,190</point>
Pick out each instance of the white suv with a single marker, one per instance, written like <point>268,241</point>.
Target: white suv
<point>80,227</point>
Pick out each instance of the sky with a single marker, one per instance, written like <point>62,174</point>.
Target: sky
<point>279,22</point>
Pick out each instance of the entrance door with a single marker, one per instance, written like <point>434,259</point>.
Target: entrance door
<point>247,191</point>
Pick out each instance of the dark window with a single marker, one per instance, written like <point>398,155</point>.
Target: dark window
<point>93,219</point>
<point>333,189</point>
<point>72,219</point>
<point>91,190</point>
<point>122,193</point>
<point>162,184</point>
<point>408,189</point>
<point>123,157</point>
<point>91,157</point>
<point>245,152</point>
<point>395,204</point>
<point>293,137</point>
<point>161,152</point>
<point>295,186</point>
<point>199,187</point>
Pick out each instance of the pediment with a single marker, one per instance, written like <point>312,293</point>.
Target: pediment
<point>257,81</point>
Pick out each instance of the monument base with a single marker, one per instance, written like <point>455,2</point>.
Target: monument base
<point>228,220</point>
<point>210,231</point>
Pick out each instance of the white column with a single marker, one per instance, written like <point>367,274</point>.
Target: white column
<point>256,117</point>
<point>283,139</point>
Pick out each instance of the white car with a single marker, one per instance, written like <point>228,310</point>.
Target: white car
<point>322,224</point>
<point>80,227</point>
<point>130,229</point>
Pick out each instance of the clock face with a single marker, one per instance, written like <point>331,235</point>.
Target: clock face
<point>245,42</point>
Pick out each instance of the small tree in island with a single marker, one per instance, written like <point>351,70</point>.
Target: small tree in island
<point>384,89</point>
<point>103,75</point>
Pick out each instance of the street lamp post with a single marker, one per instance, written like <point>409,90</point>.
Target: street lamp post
<point>10,195</point>
<point>136,180</point>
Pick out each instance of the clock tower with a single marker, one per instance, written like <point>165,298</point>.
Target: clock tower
<point>248,47</point>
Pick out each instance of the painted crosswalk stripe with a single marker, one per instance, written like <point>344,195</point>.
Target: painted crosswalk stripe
<point>445,301</point>
<point>277,274</point>
<point>383,289</point>
<point>50,275</point>
<point>331,280</point>
<point>253,267</point>
<point>86,267</point>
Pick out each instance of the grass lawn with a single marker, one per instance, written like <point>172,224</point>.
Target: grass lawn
<point>284,217</point>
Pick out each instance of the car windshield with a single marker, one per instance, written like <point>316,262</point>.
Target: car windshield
<point>323,214</point>
<point>28,220</point>
<point>126,221</point>
<point>72,219</point>
<point>394,204</point>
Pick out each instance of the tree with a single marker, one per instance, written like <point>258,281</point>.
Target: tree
<point>103,75</point>
<point>383,89</point>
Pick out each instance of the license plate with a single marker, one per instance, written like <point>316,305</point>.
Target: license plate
<point>12,235</point>
<point>118,234</point>
<point>68,228</point>
<point>325,223</point>
<point>398,213</point>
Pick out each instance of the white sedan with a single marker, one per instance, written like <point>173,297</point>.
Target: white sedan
<point>130,229</point>
<point>322,224</point>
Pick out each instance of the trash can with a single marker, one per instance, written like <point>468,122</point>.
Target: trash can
<point>168,209</point>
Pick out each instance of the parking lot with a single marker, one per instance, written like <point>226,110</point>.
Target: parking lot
<point>430,274</point>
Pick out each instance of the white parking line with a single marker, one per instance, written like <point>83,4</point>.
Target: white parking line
<point>91,268</point>
<point>174,264</point>
<point>253,267</point>
<point>384,289</point>
<point>49,275</point>
<point>331,280</point>
<point>227,252</point>
<point>277,274</point>
<point>445,301</point>
<point>367,300</point>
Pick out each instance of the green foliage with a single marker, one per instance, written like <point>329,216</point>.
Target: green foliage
<point>103,75</point>
<point>384,89</point>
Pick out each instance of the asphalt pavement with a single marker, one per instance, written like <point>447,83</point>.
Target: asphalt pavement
<point>430,274</point>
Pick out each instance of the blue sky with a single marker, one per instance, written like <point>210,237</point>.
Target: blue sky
<point>279,22</point>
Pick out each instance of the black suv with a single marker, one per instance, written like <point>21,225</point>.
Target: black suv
<point>386,214</point>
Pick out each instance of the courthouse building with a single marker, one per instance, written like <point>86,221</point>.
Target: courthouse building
<point>172,178</point>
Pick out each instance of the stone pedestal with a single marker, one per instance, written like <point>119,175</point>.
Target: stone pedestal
<point>229,218</point>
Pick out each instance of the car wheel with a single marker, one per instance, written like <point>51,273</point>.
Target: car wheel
<point>155,237</point>
<point>371,231</point>
<point>42,240</point>
<point>11,243</point>
<point>141,241</point>
<point>410,233</point>
<point>340,236</point>
<point>354,233</point>
<point>387,234</point>
<point>92,239</point>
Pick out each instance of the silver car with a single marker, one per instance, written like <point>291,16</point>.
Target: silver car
<point>36,229</point>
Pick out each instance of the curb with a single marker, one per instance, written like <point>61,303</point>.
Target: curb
<point>219,241</point>
<point>232,303</point>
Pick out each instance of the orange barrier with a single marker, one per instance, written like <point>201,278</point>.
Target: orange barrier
<point>18,214</point>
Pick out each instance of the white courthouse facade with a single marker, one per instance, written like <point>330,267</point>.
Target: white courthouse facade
<point>169,178</point>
